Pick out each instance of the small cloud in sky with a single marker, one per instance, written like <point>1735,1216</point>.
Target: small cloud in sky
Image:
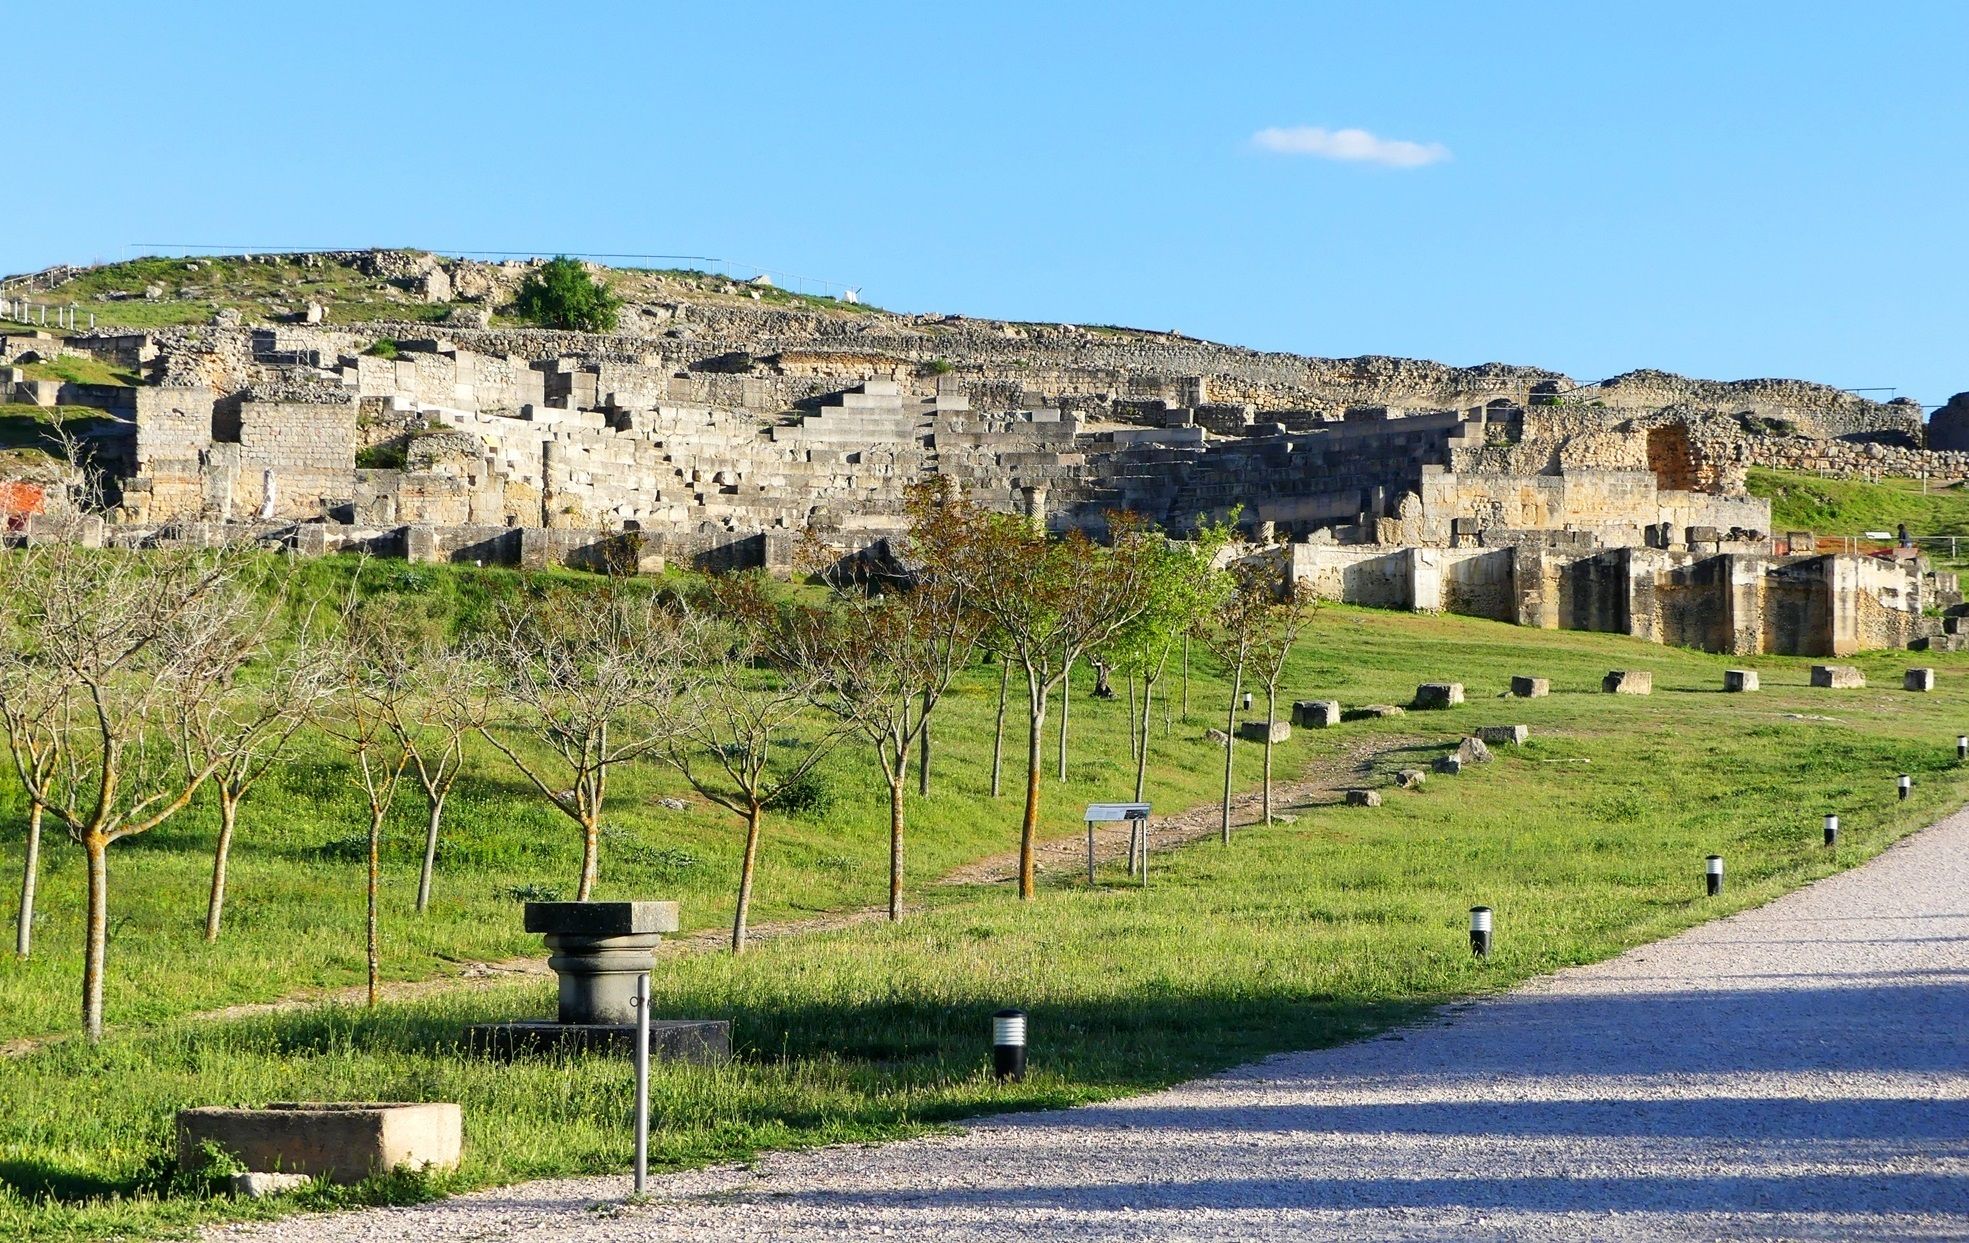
<point>1355,146</point>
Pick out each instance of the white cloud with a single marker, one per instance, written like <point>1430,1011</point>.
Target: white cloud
<point>1352,145</point>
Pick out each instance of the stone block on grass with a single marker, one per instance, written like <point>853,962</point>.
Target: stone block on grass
<point>1257,731</point>
<point>1837,677</point>
<point>1373,712</point>
<point>1411,778</point>
<point>1316,713</point>
<point>342,1142</point>
<point>1363,798</point>
<point>1439,694</point>
<point>1531,688</point>
<point>1628,682</point>
<point>1472,750</point>
<point>1919,680</point>
<point>1505,735</point>
<point>1448,765</point>
<point>1739,680</point>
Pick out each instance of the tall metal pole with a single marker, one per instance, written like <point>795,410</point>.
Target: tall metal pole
<point>642,1082</point>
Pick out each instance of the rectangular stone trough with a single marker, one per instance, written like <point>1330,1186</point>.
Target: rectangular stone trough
<point>1837,677</point>
<point>344,1143</point>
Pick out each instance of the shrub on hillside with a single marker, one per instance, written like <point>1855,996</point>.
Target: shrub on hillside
<point>561,294</point>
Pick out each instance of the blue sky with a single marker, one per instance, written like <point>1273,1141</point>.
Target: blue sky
<point>1726,190</point>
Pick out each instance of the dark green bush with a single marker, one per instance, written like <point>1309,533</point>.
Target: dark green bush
<point>561,294</point>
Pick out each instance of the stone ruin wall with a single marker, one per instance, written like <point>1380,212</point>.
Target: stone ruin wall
<point>720,433</point>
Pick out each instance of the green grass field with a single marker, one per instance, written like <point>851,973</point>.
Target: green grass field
<point>1805,502</point>
<point>1588,840</point>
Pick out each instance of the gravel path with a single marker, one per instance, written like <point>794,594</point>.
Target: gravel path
<point>1798,1071</point>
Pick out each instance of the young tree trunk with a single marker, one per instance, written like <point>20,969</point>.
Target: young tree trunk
<point>1066,701</point>
<point>1186,679</point>
<point>923,749</point>
<point>30,875</point>
<point>431,850</point>
<point>1134,736</point>
<point>1271,715</point>
<point>591,849</point>
<point>1230,745</point>
<point>998,728</point>
<point>96,945</point>
<point>1029,827</point>
<point>895,847</point>
<point>1142,756</point>
<point>752,818</point>
<point>373,943</point>
<point>215,902</point>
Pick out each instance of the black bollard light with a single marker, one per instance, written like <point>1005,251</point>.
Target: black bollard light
<point>1962,746</point>
<point>1907,783</point>
<point>1247,701</point>
<point>1713,870</point>
<point>1831,829</point>
<point>1008,1045</point>
<point>1480,931</point>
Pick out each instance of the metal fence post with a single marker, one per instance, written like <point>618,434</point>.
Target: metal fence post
<point>642,1082</point>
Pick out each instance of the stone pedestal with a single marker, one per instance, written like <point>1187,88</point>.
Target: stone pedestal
<point>598,949</point>
<point>1837,677</point>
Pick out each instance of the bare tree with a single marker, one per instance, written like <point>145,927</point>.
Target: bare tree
<point>451,701</point>
<point>746,729</point>
<point>37,713</point>
<point>240,733</point>
<point>136,638</point>
<point>1050,600</point>
<point>590,675</point>
<point>375,684</point>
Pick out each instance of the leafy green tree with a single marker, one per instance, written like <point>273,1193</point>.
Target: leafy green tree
<point>561,294</point>
<point>1183,590</point>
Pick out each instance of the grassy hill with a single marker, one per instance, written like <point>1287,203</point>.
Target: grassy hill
<point>1586,841</point>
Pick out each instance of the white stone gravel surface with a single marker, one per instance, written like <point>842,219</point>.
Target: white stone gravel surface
<point>1800,1071</point>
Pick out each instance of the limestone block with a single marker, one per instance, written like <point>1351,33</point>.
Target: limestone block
<point>1919,680</point>
<point>1448,764</point>
<point>1837,677</point>
<point>1530,688</point>
<point>1505,735</point>
<point>255,1185</point>
<point>1628,682</point>
<point>1316,713</point>
<point>1371,711</point>
<point>1257,731</point>
<point>1472,750</point>
<point>1411,778</point>
<point>1439,694</point>
<point>1739,679</point>
<point>344,1143</point>
<point>1215,735</point>
<point>1363,798</point>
